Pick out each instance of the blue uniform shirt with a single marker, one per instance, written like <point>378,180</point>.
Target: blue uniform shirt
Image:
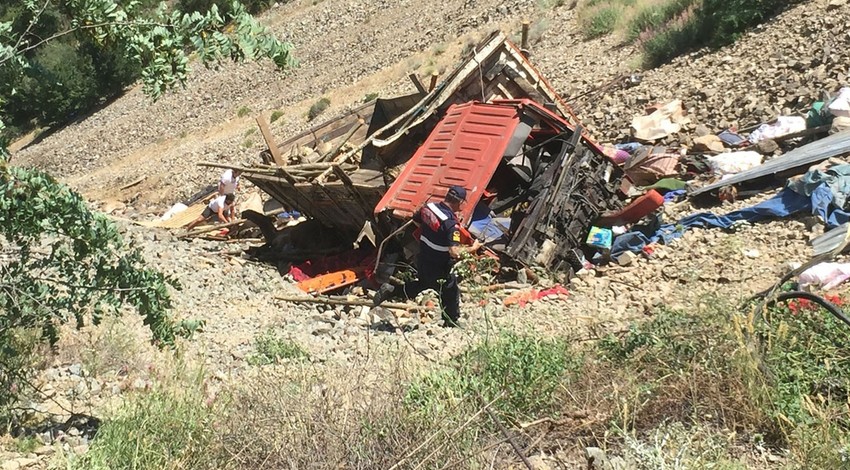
<point>439,232</point>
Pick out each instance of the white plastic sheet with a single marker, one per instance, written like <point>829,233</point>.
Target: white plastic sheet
<point>734,162</point>
<point>828,275</point>
<point>784,125</point>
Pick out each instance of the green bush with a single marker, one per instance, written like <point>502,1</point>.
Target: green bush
<point>601,21</point>
<point>156,430</point>
<point>243,111</point>
<point>655,16</point>
<point>61,83</point>
<point>525,371</point>
<point>64,264</point>
<point>277,114</point>
<point>318,108</point>
<point>271,349</point>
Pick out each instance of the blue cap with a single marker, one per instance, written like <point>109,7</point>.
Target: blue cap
<point>457,192</point>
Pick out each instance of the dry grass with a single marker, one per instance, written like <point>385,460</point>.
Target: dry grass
<point>681,390</point>
<point>307,418</point>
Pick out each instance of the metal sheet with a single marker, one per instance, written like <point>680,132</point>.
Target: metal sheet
<point>828,147</point>
<point>830,240</point>
<point>464,149</point>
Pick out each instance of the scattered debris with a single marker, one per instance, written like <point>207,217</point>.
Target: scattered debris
<point>542,196</point>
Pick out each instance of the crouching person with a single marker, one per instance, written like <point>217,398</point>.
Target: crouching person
<point>221,209</point>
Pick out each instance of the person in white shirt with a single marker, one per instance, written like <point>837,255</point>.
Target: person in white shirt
<point>229,182</point>
<point>223,208</point>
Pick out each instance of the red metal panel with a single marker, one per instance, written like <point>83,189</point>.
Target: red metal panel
<point>463,149</point>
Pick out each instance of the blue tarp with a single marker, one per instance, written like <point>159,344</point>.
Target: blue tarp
<point>785,203</point>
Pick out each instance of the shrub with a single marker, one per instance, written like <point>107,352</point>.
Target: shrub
<point>295,418</point>
<point>276,114</point>
<point>601,21</point>
<point>654,16</point>
<point>525,371</point>
<point>62,83</point>
<point>271,349</point>
<point>370,97</point>
<point>155,430</point>
<point>243,111</point>
<point>318,108</point>
<point>65,263</point>
<point>782,377</point>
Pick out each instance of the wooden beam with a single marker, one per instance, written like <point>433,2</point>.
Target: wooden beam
<point>434,76</point>
<point>267,136</point>
<point>210,228</point>
<point>351,302</point>
<point>418,83</point>
<point>338,147</point>
<point>524,43</point>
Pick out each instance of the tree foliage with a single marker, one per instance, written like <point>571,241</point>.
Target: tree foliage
<point>59,261</point>
<point>107,44</point>
<point>62,263</point>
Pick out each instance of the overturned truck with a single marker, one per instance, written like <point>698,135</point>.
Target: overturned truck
<point>535,181</point>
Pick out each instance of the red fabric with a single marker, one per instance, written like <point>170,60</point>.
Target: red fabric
<point>349,260</point>
<point>524,297</point>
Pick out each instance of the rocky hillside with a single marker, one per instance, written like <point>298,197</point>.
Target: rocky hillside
<point>348,49</point>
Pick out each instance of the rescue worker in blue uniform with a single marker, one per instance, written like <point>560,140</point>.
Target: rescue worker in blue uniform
<point>439,246</point>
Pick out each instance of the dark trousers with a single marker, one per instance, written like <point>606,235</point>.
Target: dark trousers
<point>445,285</point>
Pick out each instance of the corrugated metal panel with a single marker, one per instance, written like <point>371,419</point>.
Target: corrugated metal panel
<point>463,149</point>
<point>830,240</point>
<point>828,147</point>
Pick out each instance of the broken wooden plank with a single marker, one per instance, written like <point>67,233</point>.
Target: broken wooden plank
<point>338,147</point>
<point>133,183</point>
<point>348,302</point>
<point>434,76</point>
<point>210,228</point>
<point>269,139</point>
<point>417,83</point>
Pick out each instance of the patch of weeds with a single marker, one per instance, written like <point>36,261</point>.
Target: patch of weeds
<point>654,16</point>
<point>523,371</point>
<point>439,49</point>
<point>276,114</point>
<point>805,349</point>
<point>114,347</point>
<point>249,132</point>
<point>661,335</point>
<point>318,108</point>
<point>183,134</point>
<point>187,327</point>
<point>370,97</point>
<point>20,355</point>
<point>247,143</point>
<point>271,349</point>
<point>243,111</point>
<point>662,45</point>
<point>676,446</point>
<point>601,21</point>
<point>469,46</point>
<point>536,30</point>
<point>550,4</point>
<point>26,444</point>
<point>160,429</point>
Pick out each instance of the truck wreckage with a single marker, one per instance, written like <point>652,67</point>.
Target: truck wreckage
<point>536,182</point>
